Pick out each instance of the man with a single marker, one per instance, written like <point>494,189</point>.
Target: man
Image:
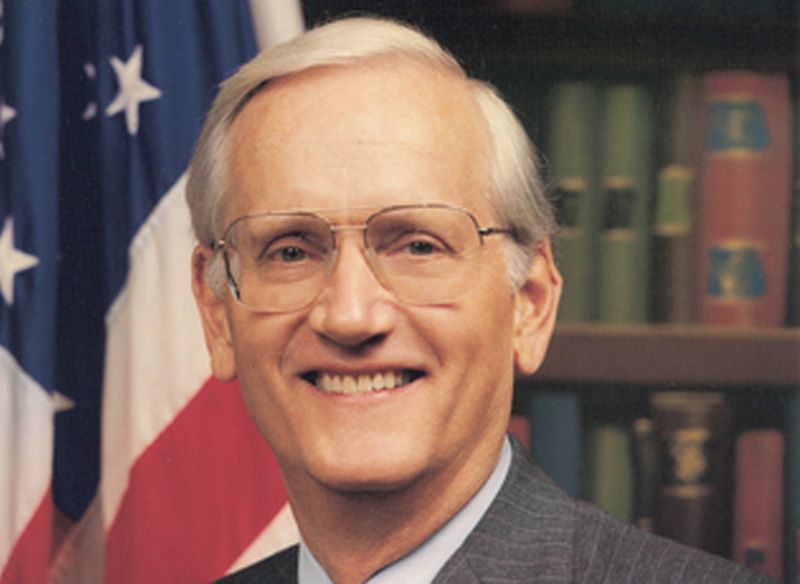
<point>374,266</point>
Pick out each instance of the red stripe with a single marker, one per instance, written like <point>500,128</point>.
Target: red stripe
<point>29,562</point>
<point>197,497</point>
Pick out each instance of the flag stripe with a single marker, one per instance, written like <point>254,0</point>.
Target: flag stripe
<point>26,442</point>
<point>155,356</point>
<point>230,490</point>
<point>276,21</point>
<point>30,559</point>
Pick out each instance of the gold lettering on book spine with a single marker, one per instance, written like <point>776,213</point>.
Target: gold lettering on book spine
<point>688,454</point>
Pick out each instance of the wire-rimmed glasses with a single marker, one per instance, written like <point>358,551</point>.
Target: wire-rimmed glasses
<point>281,261</point>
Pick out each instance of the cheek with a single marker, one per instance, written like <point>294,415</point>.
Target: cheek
<point>260,343</point>
<point>478,339</point>
<point>492,356</point>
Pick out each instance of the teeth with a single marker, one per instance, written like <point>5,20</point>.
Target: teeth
<point>352,384</point>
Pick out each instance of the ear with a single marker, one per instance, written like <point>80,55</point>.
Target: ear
<point>536,305</point>
<point>214,316</point>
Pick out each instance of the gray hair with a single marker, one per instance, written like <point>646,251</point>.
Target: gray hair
<point>518,196</point>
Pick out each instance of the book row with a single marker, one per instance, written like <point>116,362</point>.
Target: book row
<point>677,207</point>
<point>717,471</point>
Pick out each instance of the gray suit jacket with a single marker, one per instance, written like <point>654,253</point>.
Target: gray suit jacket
<point>534,533</point>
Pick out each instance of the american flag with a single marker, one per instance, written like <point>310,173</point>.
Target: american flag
<point>121,459</point>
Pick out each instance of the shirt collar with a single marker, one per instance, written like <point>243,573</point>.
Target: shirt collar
<point>423,563</point>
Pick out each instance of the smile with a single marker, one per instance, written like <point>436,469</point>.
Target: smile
<point>363,383</point>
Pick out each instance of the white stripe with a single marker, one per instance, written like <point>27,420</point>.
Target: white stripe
<point>279,534</point>
<point>156,360</point>
<point>26,449</point>
<point>276,21</point>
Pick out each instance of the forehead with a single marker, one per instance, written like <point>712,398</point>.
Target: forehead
<point>382,132</point>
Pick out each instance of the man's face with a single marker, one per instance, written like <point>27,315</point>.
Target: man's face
<point>356,139</point>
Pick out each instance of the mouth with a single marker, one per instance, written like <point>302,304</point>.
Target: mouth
<point>362,383</point>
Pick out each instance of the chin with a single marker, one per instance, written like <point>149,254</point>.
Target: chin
<point>370,486</point>
<point>384,475</point>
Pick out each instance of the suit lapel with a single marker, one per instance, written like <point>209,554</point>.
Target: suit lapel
<point>526,534</point>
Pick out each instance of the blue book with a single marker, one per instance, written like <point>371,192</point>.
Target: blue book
<point>557,435</point>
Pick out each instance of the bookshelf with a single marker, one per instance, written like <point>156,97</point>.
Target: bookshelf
<point>609,373</point>
<point>674,355</point>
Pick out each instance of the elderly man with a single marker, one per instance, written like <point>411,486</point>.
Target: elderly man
<point>374,266</point>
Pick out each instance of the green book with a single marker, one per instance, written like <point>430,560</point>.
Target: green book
<point>627,145</point>
<point>609,470</point>
<point>573,113</point>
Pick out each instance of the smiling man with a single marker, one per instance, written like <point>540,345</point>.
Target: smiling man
<point>374,266</point>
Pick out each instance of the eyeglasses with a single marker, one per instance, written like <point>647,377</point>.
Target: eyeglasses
<point>282,261</point>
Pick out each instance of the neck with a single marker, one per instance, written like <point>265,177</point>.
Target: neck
<point>355,534</point>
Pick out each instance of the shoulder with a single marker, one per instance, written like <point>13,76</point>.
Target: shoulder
<point>608,550</point>
<point>534,532</point>
<point>278,568</point>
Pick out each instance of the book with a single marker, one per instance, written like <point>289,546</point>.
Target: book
<point>673,222</point>
<point>556,424</point>
<point>626,175</point>
<point>758,502</point>
<point>609,470</point>
<point>745,188</point>
<point>520,427</point>
<point>693,496</point>
<point>793,487</point>
<point>573,111</point>
<point>645,468</point>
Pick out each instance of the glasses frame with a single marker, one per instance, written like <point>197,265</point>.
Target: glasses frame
<point>222,244</point>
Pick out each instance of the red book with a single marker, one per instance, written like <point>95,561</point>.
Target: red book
<point>758,503</point>
<point>520,427</point>
<point>745,187</point>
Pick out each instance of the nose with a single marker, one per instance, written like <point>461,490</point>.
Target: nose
<point>354,309</point>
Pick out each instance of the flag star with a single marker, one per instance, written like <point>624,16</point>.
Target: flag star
<point>12,261</point>
<point>132,89</point>
<point>61,403</point>
<point>7,113</point>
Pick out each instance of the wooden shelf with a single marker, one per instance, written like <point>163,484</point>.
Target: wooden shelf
<point>688,356</point>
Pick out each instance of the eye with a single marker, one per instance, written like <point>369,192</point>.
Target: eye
<point>291,248</point>
<point>415,244</point>
<point>290,254</point>
<point>421,248</point>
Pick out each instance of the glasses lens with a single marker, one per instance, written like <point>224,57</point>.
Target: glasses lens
<point>279,262</point>
<point>423,254</point>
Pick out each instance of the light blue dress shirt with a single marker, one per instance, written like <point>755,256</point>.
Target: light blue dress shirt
<point>422,564</point>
